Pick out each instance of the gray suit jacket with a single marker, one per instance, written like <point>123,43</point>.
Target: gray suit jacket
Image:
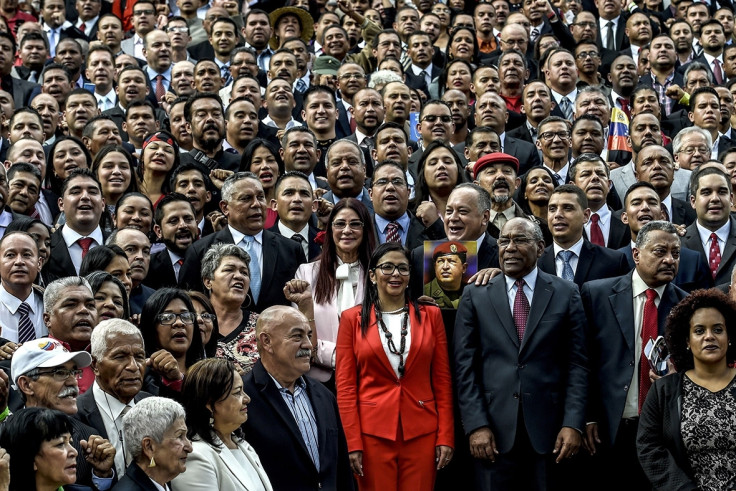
<point>623,177</point>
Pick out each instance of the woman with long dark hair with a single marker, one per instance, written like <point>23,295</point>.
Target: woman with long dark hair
<point>159,158</point>
<point>440,170</point>
<point>262,158</point>
<point>66,154</point>
<point>394,387</point>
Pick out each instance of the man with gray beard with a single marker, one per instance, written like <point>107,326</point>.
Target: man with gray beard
<point>497,174</point>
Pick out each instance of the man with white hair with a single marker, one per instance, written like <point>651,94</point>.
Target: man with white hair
<point>118,362</point>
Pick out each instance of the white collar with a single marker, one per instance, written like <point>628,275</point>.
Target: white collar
<point>575,248</point>
<point>72,236</point>
<point>238,235</point>
<point>288,233</point>
<point>108,403</point>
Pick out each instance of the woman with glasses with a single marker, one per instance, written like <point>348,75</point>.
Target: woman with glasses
<point>337,278</point>
<point>168,322</point>
<point>394,388</point>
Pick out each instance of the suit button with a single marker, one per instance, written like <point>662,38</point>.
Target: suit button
<point>626,388</point>
<point>520,366</point>
<point>631,364</point>
<point>516,396</point>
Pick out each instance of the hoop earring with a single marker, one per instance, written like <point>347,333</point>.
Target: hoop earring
<point>247,297</point>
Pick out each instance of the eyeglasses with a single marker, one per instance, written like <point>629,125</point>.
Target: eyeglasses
<point>522,241</point>
<point>207,317</point>
<point>383,182</point>
<point>144,12</point>
<point>691,150</point>
<point>584,54</point>
<point>389,268</point>
<point>585,24</point>
<point>177,29</point>
<point>353,76</point>
<point>432,118</point>
<point>550,135</point>
<point>168,319</point>
<point>514,42</point>
<point>61,374</point>
<point>353,224</point>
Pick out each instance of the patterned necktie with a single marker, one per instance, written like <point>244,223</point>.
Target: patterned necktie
<point>625,106</point>
<point>566,108</point>
<point>534,34</point>
<point>648,331</point>
<point>253,268</point>
<point>301,86</point>
<point>610,44</point>
<point>392,232</point>
<point>160,90</point>
<point>559,179</point>
<point>567,272</point>
<point>85,243</point>
<point>427,79</point>
<point>596,234</point>
<point>717,72</point>
<point>26,331</point>
<point>180,262</point>
<point>665,213</point>
<point>521,309</point>
<point>714,259</point>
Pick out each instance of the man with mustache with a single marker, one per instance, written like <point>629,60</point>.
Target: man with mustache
<point>176,225</point>
<point>449,264</point>
<point>713,235</point>
<point>537,104</point>
<point>294,204</point>
<point>48,109</point>
<point>206,122</point>
<point>281,393</point>
<point>588,61</point>
<point>641,206</point>
<point>45,374</point>
<point>137,246</point>
<point>713,39</point>
<point>110,32</point>
<point>497,173</point>
<point>57,82</point>
<point>623,314</point>
<point>572,256</point>
<point>346,173</point>
<point>435,123</point>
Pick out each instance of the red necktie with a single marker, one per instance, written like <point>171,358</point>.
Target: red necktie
<point>521,309</point>
<point>180,262</point>
<point>596,234</point>
<point>353,125</point>
<point>83,27</point>
<point>84,243</point>
<point>625,106</point>
<point>648,331</point>
<point>392,232</point>
<point>160,90</point>
<point>717,72</point>
<point>714,260</point>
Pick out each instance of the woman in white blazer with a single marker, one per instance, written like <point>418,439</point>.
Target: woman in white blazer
<point>337,277</point>
<point>216,407</point>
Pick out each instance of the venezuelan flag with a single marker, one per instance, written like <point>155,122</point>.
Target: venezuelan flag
<point>618,131</point>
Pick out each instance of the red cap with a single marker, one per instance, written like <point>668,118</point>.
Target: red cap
<point>493,159</point>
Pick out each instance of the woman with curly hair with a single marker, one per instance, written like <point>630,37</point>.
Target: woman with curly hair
<point>687,429</point>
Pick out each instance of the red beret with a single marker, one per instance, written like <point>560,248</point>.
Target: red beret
<point>493,159</point>
<point>449,249</point>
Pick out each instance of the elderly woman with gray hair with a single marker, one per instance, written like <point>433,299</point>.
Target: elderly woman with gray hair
<point>156,438</point>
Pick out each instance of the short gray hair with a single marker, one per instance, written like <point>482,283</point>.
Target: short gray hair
<point>151,417</point>
<point>107,328</point>
<point>644,234</point>
<point>343,142</point>
<point>677,141</point>
<point>216,253</point>
<point>535,229</point>
<point>484,197</point>
<point>55,290</point>
<point>227,187</point>
<point>383,77</point>
<point>696,66</point>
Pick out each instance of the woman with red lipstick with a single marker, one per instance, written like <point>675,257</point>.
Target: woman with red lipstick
<point>66,154</point>
<point>687,429</point>
<point>394,388</point>
<point>113,166</point>
<point>458,75</point>
<point>159,157</point>
<point>168,324</point>
<point>42,457</point>
<point>262,159</point>
<point>440,170</point>
<point>216,408</point>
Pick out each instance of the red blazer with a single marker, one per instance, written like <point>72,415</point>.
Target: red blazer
<point>370,396</point>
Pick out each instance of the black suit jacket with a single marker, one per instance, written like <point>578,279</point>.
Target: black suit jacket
<point>595,263</point>
<point>692,274</point>
<point>521,133</point>
<point>281,258</point>
<point>619,234</point>
<point>540,382</point>
<point>272,431</point>
<point>22,90</point>
<point>330,197</point>
<point>161,271</point>
<point>621,40</point>
<point>342,128</point>
<point>524,151</point>
<point>646,80</point>
<point>60,262</point>
<point>314,248</point>
<point>89,414</point>
<point>418,82</point>
<point>609,307</point>
<point>682,213</point>
<point>134,480</point>
<point>418,233</point>
<point>728,256</point>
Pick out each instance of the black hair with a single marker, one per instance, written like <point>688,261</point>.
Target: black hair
<point>98,258</point>
<point>79,172</point>
<point>169,198</point>
<point>98,278</point>
<point>249,151</point>
<point>52,180</point>
<point>198,96</point>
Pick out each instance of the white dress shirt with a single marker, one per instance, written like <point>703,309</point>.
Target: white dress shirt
<point>75,250</point>
<point>428,73</point>
<point>9,315</point>
<point>722,234</point>
<point>88,25</point>
<point>106,101</point>
<point>604,222</point>
<point>288,233</point>
<point>560,264</point>
<point>603,28</point>
<point>111,412</point>
<point>530,283</point>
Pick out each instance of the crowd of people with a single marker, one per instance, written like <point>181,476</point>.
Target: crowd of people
<point>367,244</point>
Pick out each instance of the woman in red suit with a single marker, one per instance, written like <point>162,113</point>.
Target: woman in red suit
<point>394,388</point>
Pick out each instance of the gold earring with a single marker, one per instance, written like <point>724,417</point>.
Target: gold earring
<point>152,463</point>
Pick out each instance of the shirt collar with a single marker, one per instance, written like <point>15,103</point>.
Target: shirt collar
<point>638,286</point>
<point>12,302</point>
<point>238,236</point>
<point>108,403</point>
<point>604,214</point>
<point>173,256</point>
<point>403,222</point>
<point>571,96</point>
<point>72,236</point>
<point>152,74</point>
<point>288,233</point>
<point>722,232</point>
<point>417,70</point>
<point>530,280</point>
<point>575,248</point>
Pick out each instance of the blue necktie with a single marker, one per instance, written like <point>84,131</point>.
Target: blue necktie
<point>254,268</point>
<point>567,273</point>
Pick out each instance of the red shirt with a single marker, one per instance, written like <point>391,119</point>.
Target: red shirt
<point>513,103</point>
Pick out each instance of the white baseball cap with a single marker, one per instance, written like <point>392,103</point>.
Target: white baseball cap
<point>44,353</point>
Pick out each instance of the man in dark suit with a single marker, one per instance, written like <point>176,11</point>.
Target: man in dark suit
<point>83,205</point>
<point>368,112</point>
<point>713,234</point>
<point>663,57</point>
<point>274,259</point>
<point>176,226</point>
<point>591,174</point>
<point>490,110</point>
<point>524,407</point>
<point>392,221</point>
<point>421,71</point>
<point>282,437</point>
<point>555,142</point>
<point>611,26</point>
<point>299,153</point>
<point>623,314</point>
<point>571,256</point>
<point>346,173</point>
<point>89,13</point>
<point>537,106</point>
<point>294,203</point>
<point>435,123</point>
<point>641,206</point>
<point>118,362</point>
